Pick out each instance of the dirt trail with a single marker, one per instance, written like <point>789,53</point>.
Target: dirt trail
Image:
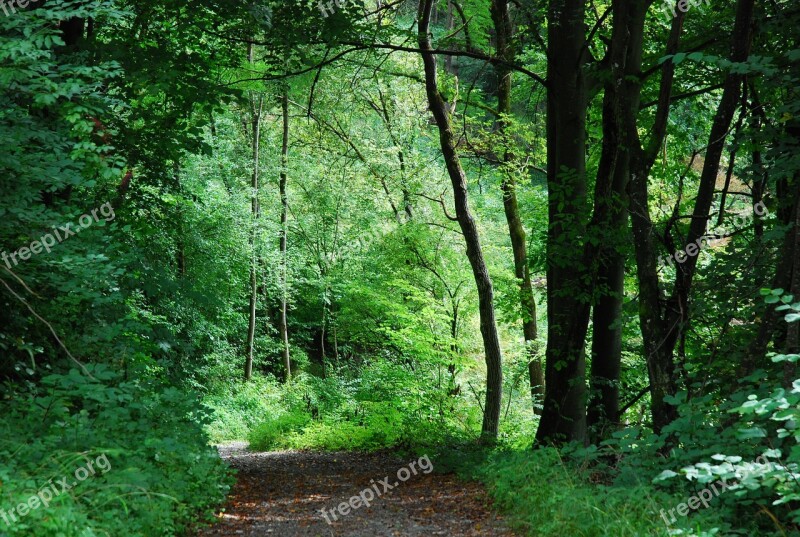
<point>283,494</point>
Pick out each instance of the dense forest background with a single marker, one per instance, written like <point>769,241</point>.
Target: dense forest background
<point>552,243</point>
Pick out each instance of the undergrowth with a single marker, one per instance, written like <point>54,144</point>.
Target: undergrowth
<point>158,472</point>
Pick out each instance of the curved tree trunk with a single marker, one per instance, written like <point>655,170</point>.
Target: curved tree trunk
<point>663,325</point>
<point>491,342</point>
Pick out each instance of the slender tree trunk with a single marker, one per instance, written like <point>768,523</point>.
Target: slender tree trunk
<point>564,413</point>
<point>679,307</point>
<point>282,323</point>
<point>256,110</point>
<point>491,342</point>
<point>335,338</point>
<point>323,272</point>
<point>504,35</point>
<point>759,183</point>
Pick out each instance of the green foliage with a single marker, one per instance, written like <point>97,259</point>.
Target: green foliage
<point>161,476</point>
<point>367,412</point>
<point>756,449</point>
<point>238,407</point>
<point>545,493</point>
<point>269,434</point>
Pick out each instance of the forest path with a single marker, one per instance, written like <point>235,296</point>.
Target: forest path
<point>283,494</point>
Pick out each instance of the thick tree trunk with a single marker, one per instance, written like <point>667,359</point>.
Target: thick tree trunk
<point>282,321</point>
<point>660,366</point>
<point>611,215</point>
<point>564,413</point>
<point>504,34</point>
<point>603,414</point>
<point>491,342</point>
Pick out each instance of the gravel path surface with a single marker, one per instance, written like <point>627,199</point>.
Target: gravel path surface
<point>283,494</point>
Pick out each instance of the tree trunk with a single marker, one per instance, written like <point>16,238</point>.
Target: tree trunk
<point>504,35</point>
<point>491,342</point>
<point>612,216</point>
<point>180,255</point>
<point>282,322</point>
<point>256,108</point>
<point>564,413</point>
<point>662,330</point>
<point>660,366</point>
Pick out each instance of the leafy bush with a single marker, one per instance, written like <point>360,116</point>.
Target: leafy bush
<point>162,472</point>
<point>236,408</point>
<point>544,494</point>
<point>381,405</point>
<point>269,433</point>
<point>758,450</point>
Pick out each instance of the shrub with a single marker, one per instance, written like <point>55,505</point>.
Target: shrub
<point>545,494</point>
<point>238,407</point>
<point>271,433</point>
<point>162,472</point>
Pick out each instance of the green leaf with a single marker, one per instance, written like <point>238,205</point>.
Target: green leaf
<point>747,434</point>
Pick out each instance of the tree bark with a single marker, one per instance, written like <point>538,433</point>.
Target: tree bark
<point>256,108</point>
<point>663,325</point>
<point>660,366</point>
<point>611,214</point>
<point>504,35</point>
<point>282,321</point>
<point>603,414</point>
<point>564,413</point>
<point>491,342</point>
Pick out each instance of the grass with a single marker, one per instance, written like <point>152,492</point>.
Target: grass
<point>543,495</point>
